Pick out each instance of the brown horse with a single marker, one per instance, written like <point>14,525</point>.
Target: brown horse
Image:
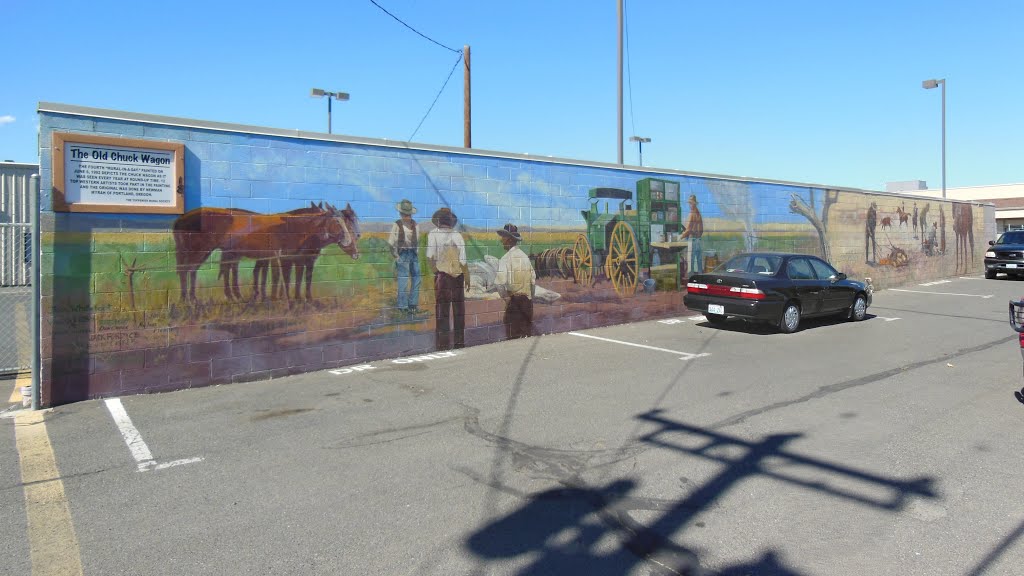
<point>295,241</point>
<point>197,233</point>
<point>963,228</point>
<point>265,237</point>
<point>903,215</point>
<point>259,271</point>
<point>303,256</point>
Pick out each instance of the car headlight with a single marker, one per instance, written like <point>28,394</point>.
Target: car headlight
<point>990,254</point>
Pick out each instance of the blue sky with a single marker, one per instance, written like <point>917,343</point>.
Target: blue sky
<point>804,91</point>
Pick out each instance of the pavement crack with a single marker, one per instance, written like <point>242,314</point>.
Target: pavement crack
<point>392,434</point>
<point>855,382</point>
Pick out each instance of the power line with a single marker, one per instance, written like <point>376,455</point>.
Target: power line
<point>399,20</point>
<point>435,97</point>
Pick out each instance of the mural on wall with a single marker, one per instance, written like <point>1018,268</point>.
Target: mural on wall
<point>281,241</point>
<point>267,275</point>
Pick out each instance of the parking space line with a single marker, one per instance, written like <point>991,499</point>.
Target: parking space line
<point>53,545</point>
<point>940,293</point>
<point>137,446</point>
<point>684,355</point>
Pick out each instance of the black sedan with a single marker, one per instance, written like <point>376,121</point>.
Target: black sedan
<point>1005,255</point>
<point>776,288</point>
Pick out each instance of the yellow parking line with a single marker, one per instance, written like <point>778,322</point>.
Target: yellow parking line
<point>52,541</point>
<point>23,379</point>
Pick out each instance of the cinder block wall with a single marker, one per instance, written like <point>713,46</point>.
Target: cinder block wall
<point>114,320</point>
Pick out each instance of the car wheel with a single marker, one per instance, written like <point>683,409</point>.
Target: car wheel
<point>859,309</point>
<point>715,318</point>
<point>990,274</point>
<point>790,320</point>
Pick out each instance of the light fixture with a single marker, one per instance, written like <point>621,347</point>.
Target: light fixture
<point>319,93</point>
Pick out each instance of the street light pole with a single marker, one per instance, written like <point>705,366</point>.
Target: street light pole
<point>318,93</point>
<point>640,142</point>
<point>928,85</point>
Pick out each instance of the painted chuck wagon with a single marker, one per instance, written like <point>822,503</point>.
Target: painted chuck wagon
<point>622,242</point>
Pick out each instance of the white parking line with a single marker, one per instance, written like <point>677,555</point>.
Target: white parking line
<point>935,283</point>
<point>887,319</point>
<point>685,355</point>
<point>941,293</point>
<point>134,440</point>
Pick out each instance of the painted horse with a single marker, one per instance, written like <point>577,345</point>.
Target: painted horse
<point>266,238</point>
<point>301,257</point>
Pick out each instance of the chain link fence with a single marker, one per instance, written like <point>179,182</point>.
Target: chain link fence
<point>15,266</point>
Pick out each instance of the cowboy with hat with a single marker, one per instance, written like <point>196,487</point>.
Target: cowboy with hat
<point>516,281</point>
<point>695,231</point>
<point>446,250</point>
<point>404,243</point>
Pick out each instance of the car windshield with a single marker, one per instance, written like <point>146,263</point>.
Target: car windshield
<point>1011,238</point>
<point>752,264</point>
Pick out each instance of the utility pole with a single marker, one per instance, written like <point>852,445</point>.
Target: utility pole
<point>467,102</point>
<point>620,81</point>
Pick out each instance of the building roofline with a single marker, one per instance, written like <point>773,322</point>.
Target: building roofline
<point>75,110</point>
<point>19,165</point>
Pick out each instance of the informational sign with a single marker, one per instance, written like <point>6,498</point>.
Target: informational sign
<point>101,174</point>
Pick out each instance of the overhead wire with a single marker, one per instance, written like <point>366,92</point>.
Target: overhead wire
<point>435,97</point>
<point>443,86</point>
<point>399,20</point>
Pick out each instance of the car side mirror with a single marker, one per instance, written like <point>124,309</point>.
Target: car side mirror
<point>991,242</point>
<point>838,277</point>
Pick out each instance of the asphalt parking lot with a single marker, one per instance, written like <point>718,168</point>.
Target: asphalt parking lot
<point>889,446</point>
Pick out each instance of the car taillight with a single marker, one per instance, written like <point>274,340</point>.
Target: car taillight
<point>1020,336</point>
<point>730,291</point>
<point>748,293</point>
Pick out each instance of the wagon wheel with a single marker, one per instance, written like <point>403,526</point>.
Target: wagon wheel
<point>582,262</point>
<point>622,266</point>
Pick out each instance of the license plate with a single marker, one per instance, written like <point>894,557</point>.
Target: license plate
<point>716,309</point>
<point>1011,265</point>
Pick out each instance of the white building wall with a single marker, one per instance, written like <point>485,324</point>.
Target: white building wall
<point>1008,215</point>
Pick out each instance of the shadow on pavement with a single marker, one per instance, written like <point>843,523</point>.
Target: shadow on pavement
<point>582,529</point>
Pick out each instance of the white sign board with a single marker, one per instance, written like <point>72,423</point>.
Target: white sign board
<point>96,174</point>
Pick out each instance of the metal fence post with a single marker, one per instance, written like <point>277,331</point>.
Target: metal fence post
<point>34,308</point>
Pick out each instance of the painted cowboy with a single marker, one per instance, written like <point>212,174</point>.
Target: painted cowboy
<point>446,250</point>
<point>516,281</point>
<point>695,232</point>
<point>404,242</point>
<point>869,234</point>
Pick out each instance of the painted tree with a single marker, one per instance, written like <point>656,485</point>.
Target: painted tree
<point>797,205</point>
<point>733,199</point>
